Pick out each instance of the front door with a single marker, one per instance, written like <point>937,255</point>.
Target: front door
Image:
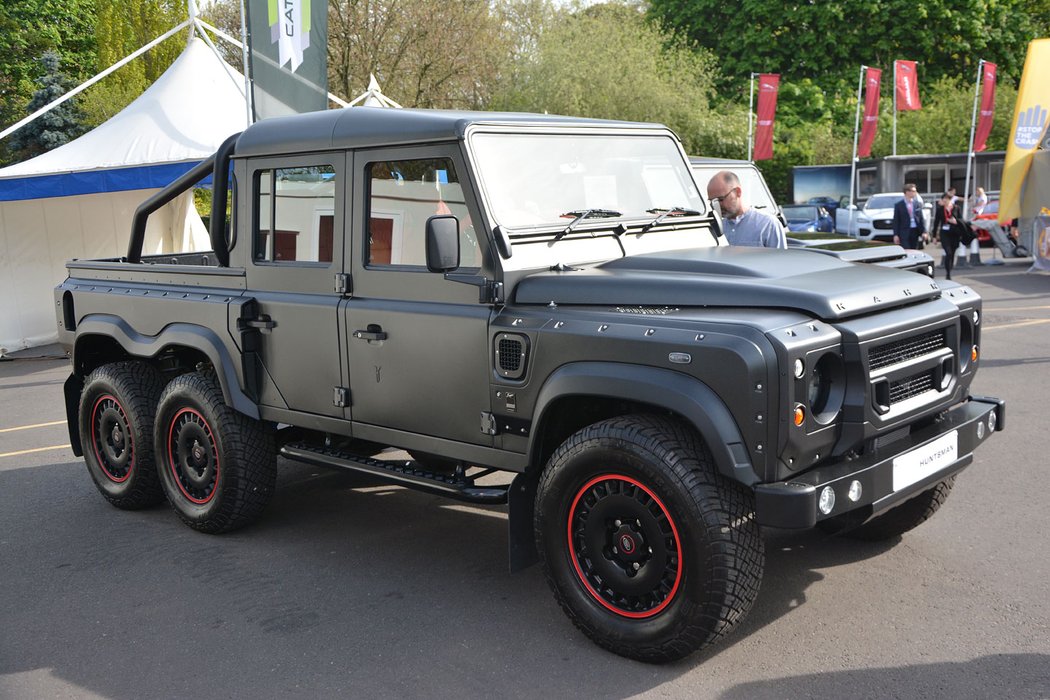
<point>296,212</point>
<point>417,342</point>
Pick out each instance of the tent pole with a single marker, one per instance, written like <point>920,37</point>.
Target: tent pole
<point>207,40</point>
<point>85,85</point>
<point>244,58</point>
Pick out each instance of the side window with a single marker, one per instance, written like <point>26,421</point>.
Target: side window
<point>402,195</point>
<point>295,214</point>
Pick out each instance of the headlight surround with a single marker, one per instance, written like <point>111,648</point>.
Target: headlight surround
<point>826,388</point>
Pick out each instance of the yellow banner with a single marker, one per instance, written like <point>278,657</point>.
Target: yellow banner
<point>1029,127</point>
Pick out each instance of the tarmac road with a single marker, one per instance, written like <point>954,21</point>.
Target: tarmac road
<point>350,589</point>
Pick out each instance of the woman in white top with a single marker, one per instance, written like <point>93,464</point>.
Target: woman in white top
<point>980,201</point>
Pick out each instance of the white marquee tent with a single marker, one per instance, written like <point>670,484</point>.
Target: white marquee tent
<point>77,200</point>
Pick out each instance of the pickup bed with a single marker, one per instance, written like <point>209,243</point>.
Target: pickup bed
<point>546,299</point>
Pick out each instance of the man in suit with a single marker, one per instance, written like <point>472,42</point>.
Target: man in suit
<point>908,224</point>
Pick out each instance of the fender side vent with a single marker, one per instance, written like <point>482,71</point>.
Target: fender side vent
<point>511,355</point>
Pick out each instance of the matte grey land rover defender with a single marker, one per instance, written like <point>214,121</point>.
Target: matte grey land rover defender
<point>543,297</point>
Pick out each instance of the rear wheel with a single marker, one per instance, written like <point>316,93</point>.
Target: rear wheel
<point>649,550</point>
<point>218,467</point>
<point>117,409</point>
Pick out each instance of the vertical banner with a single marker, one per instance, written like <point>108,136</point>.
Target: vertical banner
<point>768,84</point>
<point>907,86</point>
<point>872,85</point>
<point>288,57</point>
<point>1029,127</point>
<point>984,118</point>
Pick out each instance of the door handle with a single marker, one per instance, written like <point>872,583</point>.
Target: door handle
<point>373,332</point>
<point>263,322</point>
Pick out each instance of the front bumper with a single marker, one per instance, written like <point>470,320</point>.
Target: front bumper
<point>794,503</point>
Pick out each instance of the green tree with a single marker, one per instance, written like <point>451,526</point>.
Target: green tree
<point>30,28</point>
<point>53,128</point>
<point>829,41</point>
<point>121,27</point>
<point>608,62</point>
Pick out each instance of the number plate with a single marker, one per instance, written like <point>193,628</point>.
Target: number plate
<point>921,462</point>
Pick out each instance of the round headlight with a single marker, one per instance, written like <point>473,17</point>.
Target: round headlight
<point>826,503</point>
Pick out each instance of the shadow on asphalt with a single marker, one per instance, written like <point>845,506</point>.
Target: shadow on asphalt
<point>345,587</point>
<point>1014,676</point>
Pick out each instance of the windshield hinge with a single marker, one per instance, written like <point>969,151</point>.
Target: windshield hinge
<point>343,284</point>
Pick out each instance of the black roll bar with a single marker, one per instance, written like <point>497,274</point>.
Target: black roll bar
<point>218,165</point>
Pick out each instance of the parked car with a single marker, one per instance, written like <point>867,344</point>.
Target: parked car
<point>808,217</point>
<point>829,203</point>
<point>874,221</point>
<point>990,213</point>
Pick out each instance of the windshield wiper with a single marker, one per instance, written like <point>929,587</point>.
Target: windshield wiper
<point>581,214</point>
<point>664,213</point>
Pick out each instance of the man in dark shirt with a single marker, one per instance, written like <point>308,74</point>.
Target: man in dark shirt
<point>908,223</point>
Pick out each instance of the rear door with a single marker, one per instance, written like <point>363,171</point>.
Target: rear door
<point>296,214</point>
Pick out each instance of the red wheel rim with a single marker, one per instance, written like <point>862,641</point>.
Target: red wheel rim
<point>111,439</point>
<point>624,546</point>
<point>193,456</point>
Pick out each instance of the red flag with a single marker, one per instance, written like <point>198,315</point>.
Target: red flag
<point>984,121</point>
<point>767,109</point>
<point>907,86</point>
<point>872,81</point>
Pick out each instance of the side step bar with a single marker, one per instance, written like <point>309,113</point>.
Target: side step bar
<point>457,485</point>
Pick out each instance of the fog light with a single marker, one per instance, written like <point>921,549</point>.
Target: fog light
<point>800,415</point>
<point>976,317</point>
<point>973,354</point>
<point>992,419</point>
<point>855,491</point>
<point>800,368</point>
<point>827,500</point>
<point>980,430</point>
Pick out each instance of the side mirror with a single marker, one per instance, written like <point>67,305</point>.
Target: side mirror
<point>442,243</point>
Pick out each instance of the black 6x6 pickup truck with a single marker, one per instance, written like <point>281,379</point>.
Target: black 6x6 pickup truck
<point>541,297</point>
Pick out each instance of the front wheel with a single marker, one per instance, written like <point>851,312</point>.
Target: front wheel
<point>649,550</point>
<point>218,467</point>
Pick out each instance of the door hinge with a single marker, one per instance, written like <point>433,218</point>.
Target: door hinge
<point>343,284</point>
<point>488,424</point>
<point>341,396</point>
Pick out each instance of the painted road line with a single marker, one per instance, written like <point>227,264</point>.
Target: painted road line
<point>35,449</point>
<point>29,427</point>
<point>1019,324</point>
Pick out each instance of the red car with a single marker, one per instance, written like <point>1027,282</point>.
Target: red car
<point>990,212</point>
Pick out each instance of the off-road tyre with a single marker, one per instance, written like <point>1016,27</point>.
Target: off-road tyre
<point>895,521</point>
<point>218,467</point>
<point>644,489</point>
<point>117,409</point>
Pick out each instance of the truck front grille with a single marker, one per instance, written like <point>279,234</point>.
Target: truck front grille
<point>906,349</point>
<point>907,388</point>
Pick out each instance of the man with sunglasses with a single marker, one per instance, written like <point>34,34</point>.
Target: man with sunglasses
<point>742,224</point>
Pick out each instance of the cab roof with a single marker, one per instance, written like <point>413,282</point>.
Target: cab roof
<point>366,127</point>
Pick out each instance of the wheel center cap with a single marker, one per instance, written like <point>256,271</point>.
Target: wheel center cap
<point>197,451</point>
<point>627,544</point>
<point>118,435</point>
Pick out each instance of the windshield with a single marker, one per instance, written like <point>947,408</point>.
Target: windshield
<point>883,201</point>
<point>534,180</point>
<point>795,213</point>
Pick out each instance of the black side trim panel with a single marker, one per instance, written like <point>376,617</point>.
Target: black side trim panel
<point>674,391</point>
<point>72,389</point>
<point>182,334</point>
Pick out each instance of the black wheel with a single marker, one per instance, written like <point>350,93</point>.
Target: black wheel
<point>649,550</point>
<point>117,409</point>
<point>894,522</point>
<point>218,467</point>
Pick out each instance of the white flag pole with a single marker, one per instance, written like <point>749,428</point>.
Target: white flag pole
<point>894,108</point>
<point>969,151</point>
<point>750,116</point>
<point>853,162</point>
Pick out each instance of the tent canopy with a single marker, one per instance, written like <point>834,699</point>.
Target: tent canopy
<point>177,122</point>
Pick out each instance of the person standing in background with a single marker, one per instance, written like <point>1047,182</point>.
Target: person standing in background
<point>946,229</point>
<point>908,225</point>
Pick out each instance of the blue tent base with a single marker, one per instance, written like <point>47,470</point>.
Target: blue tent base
<point>93,182</point>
